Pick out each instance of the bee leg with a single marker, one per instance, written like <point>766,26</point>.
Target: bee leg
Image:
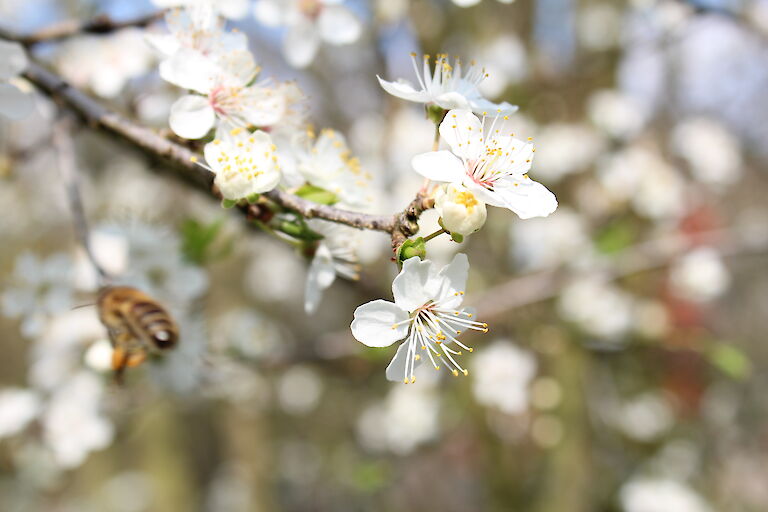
<point>134,359</point>
<point>119,361</point>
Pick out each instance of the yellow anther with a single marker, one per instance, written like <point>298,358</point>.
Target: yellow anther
<point>455,373</point>
<point>471,350</point>
<point>417,357</point>
<point>466,372</point>
<point>193,159</point>
<point>413,379</point>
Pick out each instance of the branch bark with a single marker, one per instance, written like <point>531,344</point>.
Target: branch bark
<point>100,25</point>
<point>178,158</point>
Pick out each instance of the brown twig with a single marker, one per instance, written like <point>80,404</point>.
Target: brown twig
<point>179,159</point>
<point>647,256</point>
<point>102,24</point>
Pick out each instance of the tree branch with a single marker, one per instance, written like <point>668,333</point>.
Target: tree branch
<point>179,159</point>
<point>100,25</point>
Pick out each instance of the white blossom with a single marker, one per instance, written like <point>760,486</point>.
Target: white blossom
<point>336,255</point>
<point>712,152</point>
<point>598,307</point>
<point>460,210</point>
<point>73,425</point>
<point>647,494</point>
<point>244,165</point>
<point>17,408</point>
<point>700,275</point>
<point>489,163</point>
<point>14,103</point>
<point>503,373</point>
<point>447,86</point>
<point>426,312</point>
<point>105,64</point>
<point>327,162</point>
<point>404,420</point>
<point>309,22</point>
<point>231,9</point>
<point>38,289</point>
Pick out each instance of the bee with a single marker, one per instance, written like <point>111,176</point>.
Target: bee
<point>137,324</point>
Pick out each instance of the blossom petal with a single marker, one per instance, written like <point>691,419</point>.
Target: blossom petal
<point>301,44</point>
<point>414,286</point>
<point>404,90</point>
<point>452,100</point>
<point>453,281</point>
<point>463,132</point>
<point>13,60</point>
<point>320,276</point>
<point>396,367</point>
<point>14,103</point>
<point>525,197</point>
<point>191,117</point>
<point>190,69</point>
<point>481,105</point>
<point>374,323</point>
<point>269,12</point>
<point>338,25</point>
<point>441,166</point>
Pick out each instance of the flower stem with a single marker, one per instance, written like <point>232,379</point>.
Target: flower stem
<point>435,234</point>
<point>436,141</point>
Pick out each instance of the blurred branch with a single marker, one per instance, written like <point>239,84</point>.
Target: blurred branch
<point>651,255</point>
<point>102,24</point>
<point>180,159</point>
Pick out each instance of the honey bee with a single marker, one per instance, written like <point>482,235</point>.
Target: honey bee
<point>137,324</point>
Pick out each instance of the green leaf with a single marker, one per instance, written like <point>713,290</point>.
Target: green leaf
<point>730,360</point>
<point>297,229</point>
<point>616,236</point>
<point>317,195</point>
<point>201,243</point>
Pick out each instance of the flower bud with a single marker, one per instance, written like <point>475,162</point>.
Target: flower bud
<point>460,210</point>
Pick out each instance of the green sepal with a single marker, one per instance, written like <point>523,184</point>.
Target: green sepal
<point>296,230</point>
<point>253,198</point>
<point>410,248</point>
<point>457,237</point>
<point>317,194</point>
<point>228,203</point>
<point>435,113</point>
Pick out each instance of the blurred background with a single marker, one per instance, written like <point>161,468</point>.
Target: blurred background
<point>626,360</point>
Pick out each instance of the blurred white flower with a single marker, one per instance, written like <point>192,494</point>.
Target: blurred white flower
<point>712,152</point>
<point>105,63</point>
<point>646,494</point>
<point>17,408</point>
<point>299,390</point>
<point>460,210</point>
<point>639,175</point>
<point>73,425</point>
<point>491,165</point>
<point>99,356</point>
<point>447,86</point>
<point>565,149</point>
<point>336,254</point>
<point>426,311</point>
<point>162,274</point>
<point>616,113</point>
<point>598,307</point>
<point>645,417</point>
<point>407,418</point>
<point>547,242</point>
<point>502,375</point>
<point>14,103</point>
<point>327,162</point>
<point>38,289</point>
<point>470,3</point>
<point>248,333</point>
<point>506,62</point>
<point>243,166</point>
<point>309,22</point>
<point>231,9</point>
<point>700,275</point>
